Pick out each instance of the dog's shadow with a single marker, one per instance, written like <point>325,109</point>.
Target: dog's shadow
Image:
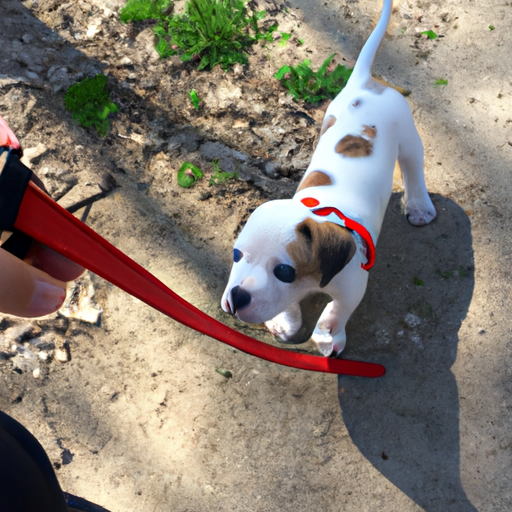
<point>407,423</point>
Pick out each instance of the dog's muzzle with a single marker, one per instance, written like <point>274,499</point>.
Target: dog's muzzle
<point>239,299</point>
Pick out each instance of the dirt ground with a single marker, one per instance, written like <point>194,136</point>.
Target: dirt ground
<point>131,409</point>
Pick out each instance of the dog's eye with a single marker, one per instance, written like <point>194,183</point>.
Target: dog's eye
<point>285,273</point>
<point>237,255</point>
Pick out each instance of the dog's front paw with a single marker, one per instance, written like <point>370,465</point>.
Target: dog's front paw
<point>420,213</point>
<point>323,342</point>
<point>285,325</point>
<point>327,344</point>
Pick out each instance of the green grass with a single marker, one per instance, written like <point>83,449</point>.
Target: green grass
<point>312,87</point>
<point>90,103</point>
<point>220,176</point>
<point>211,32</point>
<point>139,10</point>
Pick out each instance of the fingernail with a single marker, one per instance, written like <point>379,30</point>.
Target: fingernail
<point>47,298</point>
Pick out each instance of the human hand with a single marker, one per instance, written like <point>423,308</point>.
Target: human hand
<point>35,286</point>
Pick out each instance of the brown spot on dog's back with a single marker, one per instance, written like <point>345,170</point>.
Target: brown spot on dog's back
<point>354,146</point>
<point>369,131</point>
<point>314,179</point>
<point>376,86</point>
<point>327,123</point>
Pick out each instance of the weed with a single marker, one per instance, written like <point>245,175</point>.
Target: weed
<point>188,174</point>
<point>303,83</point>
<point>284,39</point>
<point>462,271</point>
<point>90,104</point>
<point>225,373</point>
<point>220,176</point>
<point>417,281</point>
<point>138,10</point>
<point>194,98</point>
<point>441,81</point>
<point>445,275</point>
<point>212,31</point>
<point>430,34</point>
<point>491,27</point>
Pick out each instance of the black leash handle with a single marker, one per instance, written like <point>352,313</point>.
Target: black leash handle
<point>14,179</point>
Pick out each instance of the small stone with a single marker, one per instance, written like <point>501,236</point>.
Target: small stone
<point>270,170</point>
<point>36,373</point>
<point>43,355</point>
<point>125,61</point>
<point>412,320</point>
<point>27,38</point>
<point>31,75</point>
<point>61,355</point>
<point>30,154</point>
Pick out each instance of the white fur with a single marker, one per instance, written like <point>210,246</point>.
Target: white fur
<point>361,188</point>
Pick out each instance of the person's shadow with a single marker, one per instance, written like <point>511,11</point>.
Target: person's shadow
<point>407,422</point>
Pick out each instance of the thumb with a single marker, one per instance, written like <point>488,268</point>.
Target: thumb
<point>26,291</point>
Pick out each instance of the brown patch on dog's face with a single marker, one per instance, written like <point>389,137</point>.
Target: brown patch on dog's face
<point>315,179</point>
<point>354,146</point>
<point>327,123</point>
<point>369,131</point>
<point>321,250</point>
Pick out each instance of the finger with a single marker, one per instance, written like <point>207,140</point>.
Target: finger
<point>7,138</point>
<point>53,263</point>
<point>26,291</point>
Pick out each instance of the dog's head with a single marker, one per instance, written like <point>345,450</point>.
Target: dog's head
<point>282,258</point>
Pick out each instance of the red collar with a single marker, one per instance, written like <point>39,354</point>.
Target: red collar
<point>347,222</point>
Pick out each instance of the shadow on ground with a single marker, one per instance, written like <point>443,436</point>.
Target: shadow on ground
<point>407,423</point>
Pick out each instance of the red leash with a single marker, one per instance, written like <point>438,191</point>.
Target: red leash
<point>41,218</point>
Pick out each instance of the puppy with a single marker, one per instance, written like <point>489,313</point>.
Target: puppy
<point>301,265</point>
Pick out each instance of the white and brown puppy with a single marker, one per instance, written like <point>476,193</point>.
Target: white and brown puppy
<point>301,264</point>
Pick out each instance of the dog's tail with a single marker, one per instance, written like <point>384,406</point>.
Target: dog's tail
<point>362,69</point>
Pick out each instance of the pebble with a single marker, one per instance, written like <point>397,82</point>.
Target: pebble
<point>61,355</point>
<point>27,38</point>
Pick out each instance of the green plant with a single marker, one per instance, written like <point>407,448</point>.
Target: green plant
<point>441,81</point>
<point>491,27</point>
<point>138,10</point>
<point>305,84</point>
<point>444,275</point>
<point>194,98</point>
<point>213,31</point>
<point>430,34</point>
<point>188,174</point>
<point>220,176</point>
<point>90,104</point>
<point>225,373</point>
<point>284,39</point>
<point>417,281</point>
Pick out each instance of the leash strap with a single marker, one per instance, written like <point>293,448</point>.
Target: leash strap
<point>44,220</point>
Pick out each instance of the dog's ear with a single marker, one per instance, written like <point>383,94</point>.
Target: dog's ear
<point>322,249</point>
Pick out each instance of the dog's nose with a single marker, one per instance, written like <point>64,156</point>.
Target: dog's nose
<point>239,298</point>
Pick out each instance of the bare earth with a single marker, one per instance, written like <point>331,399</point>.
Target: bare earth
<point>139,419</point>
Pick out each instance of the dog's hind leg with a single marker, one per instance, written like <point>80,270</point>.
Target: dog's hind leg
<point>419,209</point>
